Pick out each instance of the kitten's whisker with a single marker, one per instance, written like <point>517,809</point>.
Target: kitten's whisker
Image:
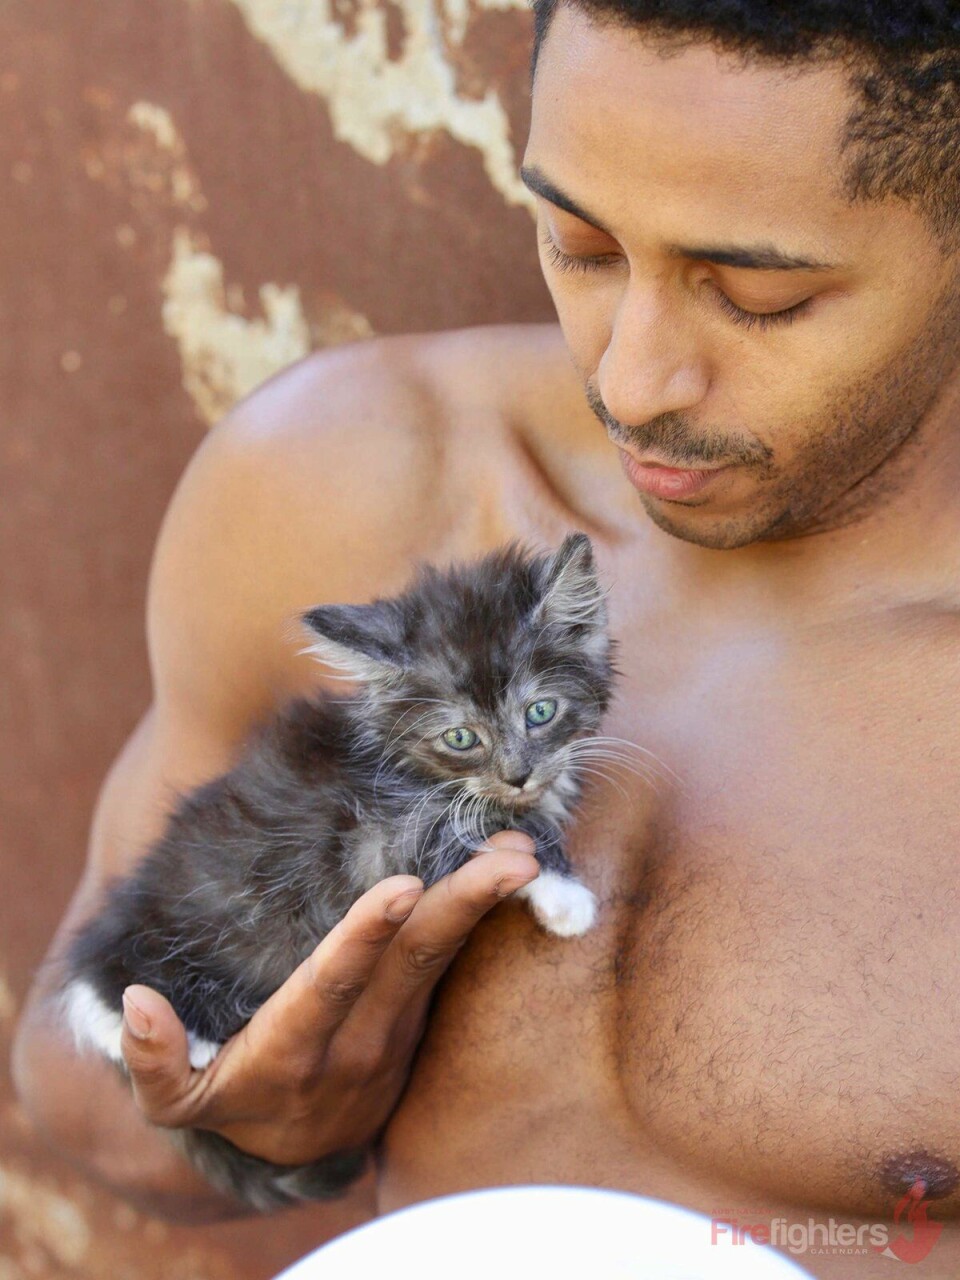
<point>421,845</point>
<point>475,810</point>
<point>613,753</point>
<point>442,816</point>
<point>645,773</point>
<point>411,699</point>
<point>414,814</point>
<point>586,750</point>
<point>601,773</point>
<point>472,809</point>
<point>633,746</point>
<point>451,819</point>
<point>407,729</point>
<point>622,748</point>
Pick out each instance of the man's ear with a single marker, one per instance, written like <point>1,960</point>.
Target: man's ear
<point>572,596</point>
<point>362,641</point>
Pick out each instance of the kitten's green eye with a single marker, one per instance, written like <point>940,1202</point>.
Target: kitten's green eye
<point>541,712</point>
<point>460,739</point>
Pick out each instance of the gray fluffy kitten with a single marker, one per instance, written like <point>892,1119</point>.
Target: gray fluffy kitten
<point>477,689</point>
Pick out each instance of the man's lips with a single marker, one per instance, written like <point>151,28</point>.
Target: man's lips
<point>666,482</point>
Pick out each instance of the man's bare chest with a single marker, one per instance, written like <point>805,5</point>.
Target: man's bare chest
<point>768,996</point>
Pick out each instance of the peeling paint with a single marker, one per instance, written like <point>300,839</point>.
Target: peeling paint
<point>457,12</point>
<point>43,1221</point>
<point>375,101</point>
<point>158,123</point>
<point>338,323</point>
<point>225,355</point>
<point>156,120</point>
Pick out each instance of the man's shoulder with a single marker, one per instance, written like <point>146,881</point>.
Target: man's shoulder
<point>401,389</point>
<point>355,438</point>
<point>327,483</point>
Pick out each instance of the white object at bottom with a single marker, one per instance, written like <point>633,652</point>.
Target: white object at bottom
<point>542,1233</point>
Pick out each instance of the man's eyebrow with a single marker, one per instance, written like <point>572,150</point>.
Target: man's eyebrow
<point>541,185</point>
<point>759,258</point>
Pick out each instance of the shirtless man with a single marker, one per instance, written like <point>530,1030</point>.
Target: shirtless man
<point>764,1020</point>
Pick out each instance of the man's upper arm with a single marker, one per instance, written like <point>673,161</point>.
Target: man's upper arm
<point>314,488</point>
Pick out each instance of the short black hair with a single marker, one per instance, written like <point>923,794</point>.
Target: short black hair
<point>902,139</point>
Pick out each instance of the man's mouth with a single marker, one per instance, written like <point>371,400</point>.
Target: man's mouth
<point>660,480</point>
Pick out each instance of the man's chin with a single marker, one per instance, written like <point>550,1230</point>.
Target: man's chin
<point>721,532</point>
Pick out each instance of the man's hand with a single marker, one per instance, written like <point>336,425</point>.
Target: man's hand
<point>321,1066</point>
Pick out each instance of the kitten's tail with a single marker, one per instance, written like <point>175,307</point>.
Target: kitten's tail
<point>259,1183</point>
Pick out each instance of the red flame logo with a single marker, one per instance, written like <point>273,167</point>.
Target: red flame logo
<point>925,1234</point>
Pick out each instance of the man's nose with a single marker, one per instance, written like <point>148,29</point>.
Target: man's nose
<point>654,362</point>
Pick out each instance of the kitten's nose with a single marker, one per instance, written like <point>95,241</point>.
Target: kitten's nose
<point>518,779</point>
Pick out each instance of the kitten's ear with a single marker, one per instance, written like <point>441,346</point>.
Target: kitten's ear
<point>572,596</point>
<point>363,641</point>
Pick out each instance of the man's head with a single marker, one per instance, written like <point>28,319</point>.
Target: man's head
<point>748,220</point>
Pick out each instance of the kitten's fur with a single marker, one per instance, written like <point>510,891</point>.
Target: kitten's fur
<point>333,795</point>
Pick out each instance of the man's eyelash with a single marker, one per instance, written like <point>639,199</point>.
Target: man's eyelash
<point>759,319</point>
<point>748,319</point>
<point>567,262</point>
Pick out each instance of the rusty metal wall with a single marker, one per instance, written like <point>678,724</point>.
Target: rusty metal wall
<point>194,193</point>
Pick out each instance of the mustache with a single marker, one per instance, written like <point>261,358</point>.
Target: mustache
<point>670,436</point>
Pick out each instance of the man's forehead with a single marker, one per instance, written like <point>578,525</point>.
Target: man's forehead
<point>610,109</point>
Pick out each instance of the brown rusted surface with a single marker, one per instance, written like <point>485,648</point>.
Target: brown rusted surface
<point>185,207</point>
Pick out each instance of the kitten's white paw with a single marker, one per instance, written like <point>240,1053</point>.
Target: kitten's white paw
<point>562,905</point>
<point>202,1052</point>
<point>92,1023</point>
<point>96,1026</point>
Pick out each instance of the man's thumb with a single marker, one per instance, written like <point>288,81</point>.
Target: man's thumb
<point>154,1047</point>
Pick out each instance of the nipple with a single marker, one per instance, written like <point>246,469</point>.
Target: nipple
<point>919,1174</point>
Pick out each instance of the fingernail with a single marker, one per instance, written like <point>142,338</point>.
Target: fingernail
<point>136,1019</point>
<point>401,907</point>
<point>510,884</point>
